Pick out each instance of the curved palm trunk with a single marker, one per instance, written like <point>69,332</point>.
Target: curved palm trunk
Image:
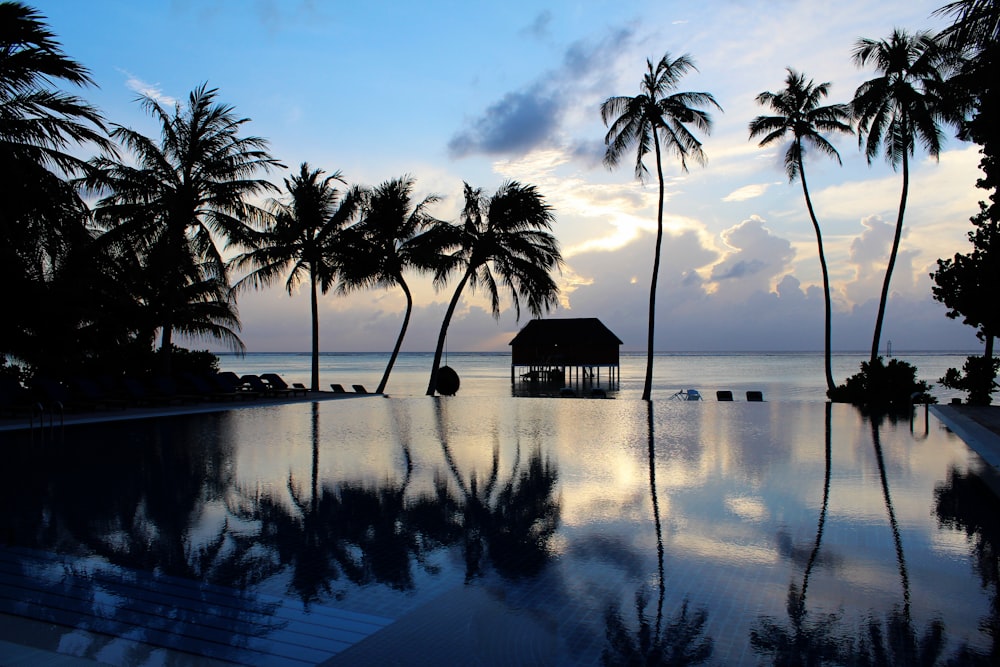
<point>314,381</point>
<point>432,384</point>
<point>828,431</point>
<point>402,333</point>
<point>877,339</point>
<point>826,279</point>
<point>893,524</point>
<point>647,386</point>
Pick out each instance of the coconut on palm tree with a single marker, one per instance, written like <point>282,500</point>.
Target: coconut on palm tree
<point>798,113</point>
<point>656,116</point>
<point>392,236</point>
<point>182,196</point>
<point>303,242</point>
<point>503,242</point>
<point>906,103</point>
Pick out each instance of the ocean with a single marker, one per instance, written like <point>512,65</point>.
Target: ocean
<point>781,376</point>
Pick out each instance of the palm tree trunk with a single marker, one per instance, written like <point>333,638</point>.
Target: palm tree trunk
<point>314,381</point>
<point>402,333</point>
<point>166,344</point>
<point>828,363</point>
<point>877,339</point>
<point>647,387</point>
<point>432,384</point>
<point>893,524</point>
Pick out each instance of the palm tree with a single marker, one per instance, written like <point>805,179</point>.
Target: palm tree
<point>904,104</point>
<point>798,112</point>
<point>42,219</point>
<point>393,235</point>
<point>37,124</point>
<point>303,241</point>
<point>184,192</point>
<point>504,241</point>
<point>653,116</point>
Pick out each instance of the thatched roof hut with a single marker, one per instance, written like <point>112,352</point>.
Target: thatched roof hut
<point>548,348</point>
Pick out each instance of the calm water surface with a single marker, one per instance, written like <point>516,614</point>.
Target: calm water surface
<point>554,531</point>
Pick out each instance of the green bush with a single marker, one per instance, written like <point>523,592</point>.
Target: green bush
<point>977,377</point>
<point>881,387</point>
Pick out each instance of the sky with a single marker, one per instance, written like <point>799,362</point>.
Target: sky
<point>454,92</point>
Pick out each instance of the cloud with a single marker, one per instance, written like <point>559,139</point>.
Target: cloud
<point>539,27</point>
<point>517,123</point>
<point>531,117</point>
<point>150,90</point>
<point>756,257</point>
<point>748,192</point>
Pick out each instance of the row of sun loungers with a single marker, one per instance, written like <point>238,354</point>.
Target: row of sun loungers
<point>122,392</point>
<point>339,389</point>
<point>752,396</point>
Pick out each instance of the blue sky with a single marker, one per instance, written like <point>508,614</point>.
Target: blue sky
<point>448,92</point>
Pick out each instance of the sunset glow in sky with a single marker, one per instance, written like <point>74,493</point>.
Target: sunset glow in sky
<point>483,92</point>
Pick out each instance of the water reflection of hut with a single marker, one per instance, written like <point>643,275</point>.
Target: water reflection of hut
<point>566,353</point>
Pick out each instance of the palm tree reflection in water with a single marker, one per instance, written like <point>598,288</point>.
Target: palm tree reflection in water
<point>510,526</point>
<point>824,640</point>
<point>804,641</point>
<point>682,641</point>
<point>361,533</point>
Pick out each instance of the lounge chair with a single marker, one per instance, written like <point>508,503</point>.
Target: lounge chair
<point>275,382</point>
<point>755,396</point>
<point>360,389</point>
<point>206,388</point>
<point>724,395</point>
<point>230,381</point>
<point>258,385</point>
<point>338,389</point>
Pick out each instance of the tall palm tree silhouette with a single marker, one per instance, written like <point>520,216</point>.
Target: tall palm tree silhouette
<point>503,242</point>
<point>906,103</point>
<point>393,235</point>
<point>181,193</point>
<point>798,112</point>
<point>304,241</point>
<point>653,116</point>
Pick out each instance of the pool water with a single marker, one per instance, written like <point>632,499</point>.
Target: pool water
<point>504,531</point>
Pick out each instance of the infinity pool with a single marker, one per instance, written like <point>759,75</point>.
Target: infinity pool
<point>500,531</point>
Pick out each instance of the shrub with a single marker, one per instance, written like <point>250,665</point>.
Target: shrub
<point>977,377</point>
<point>881,387</point>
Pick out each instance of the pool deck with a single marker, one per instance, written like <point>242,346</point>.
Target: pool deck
<point>977,426</point>
<point>92,416</point>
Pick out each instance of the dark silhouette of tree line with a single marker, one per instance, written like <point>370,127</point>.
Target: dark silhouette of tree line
<point>97,286</point>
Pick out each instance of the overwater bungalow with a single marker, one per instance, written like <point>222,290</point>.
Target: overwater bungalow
<point>571,353</point>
